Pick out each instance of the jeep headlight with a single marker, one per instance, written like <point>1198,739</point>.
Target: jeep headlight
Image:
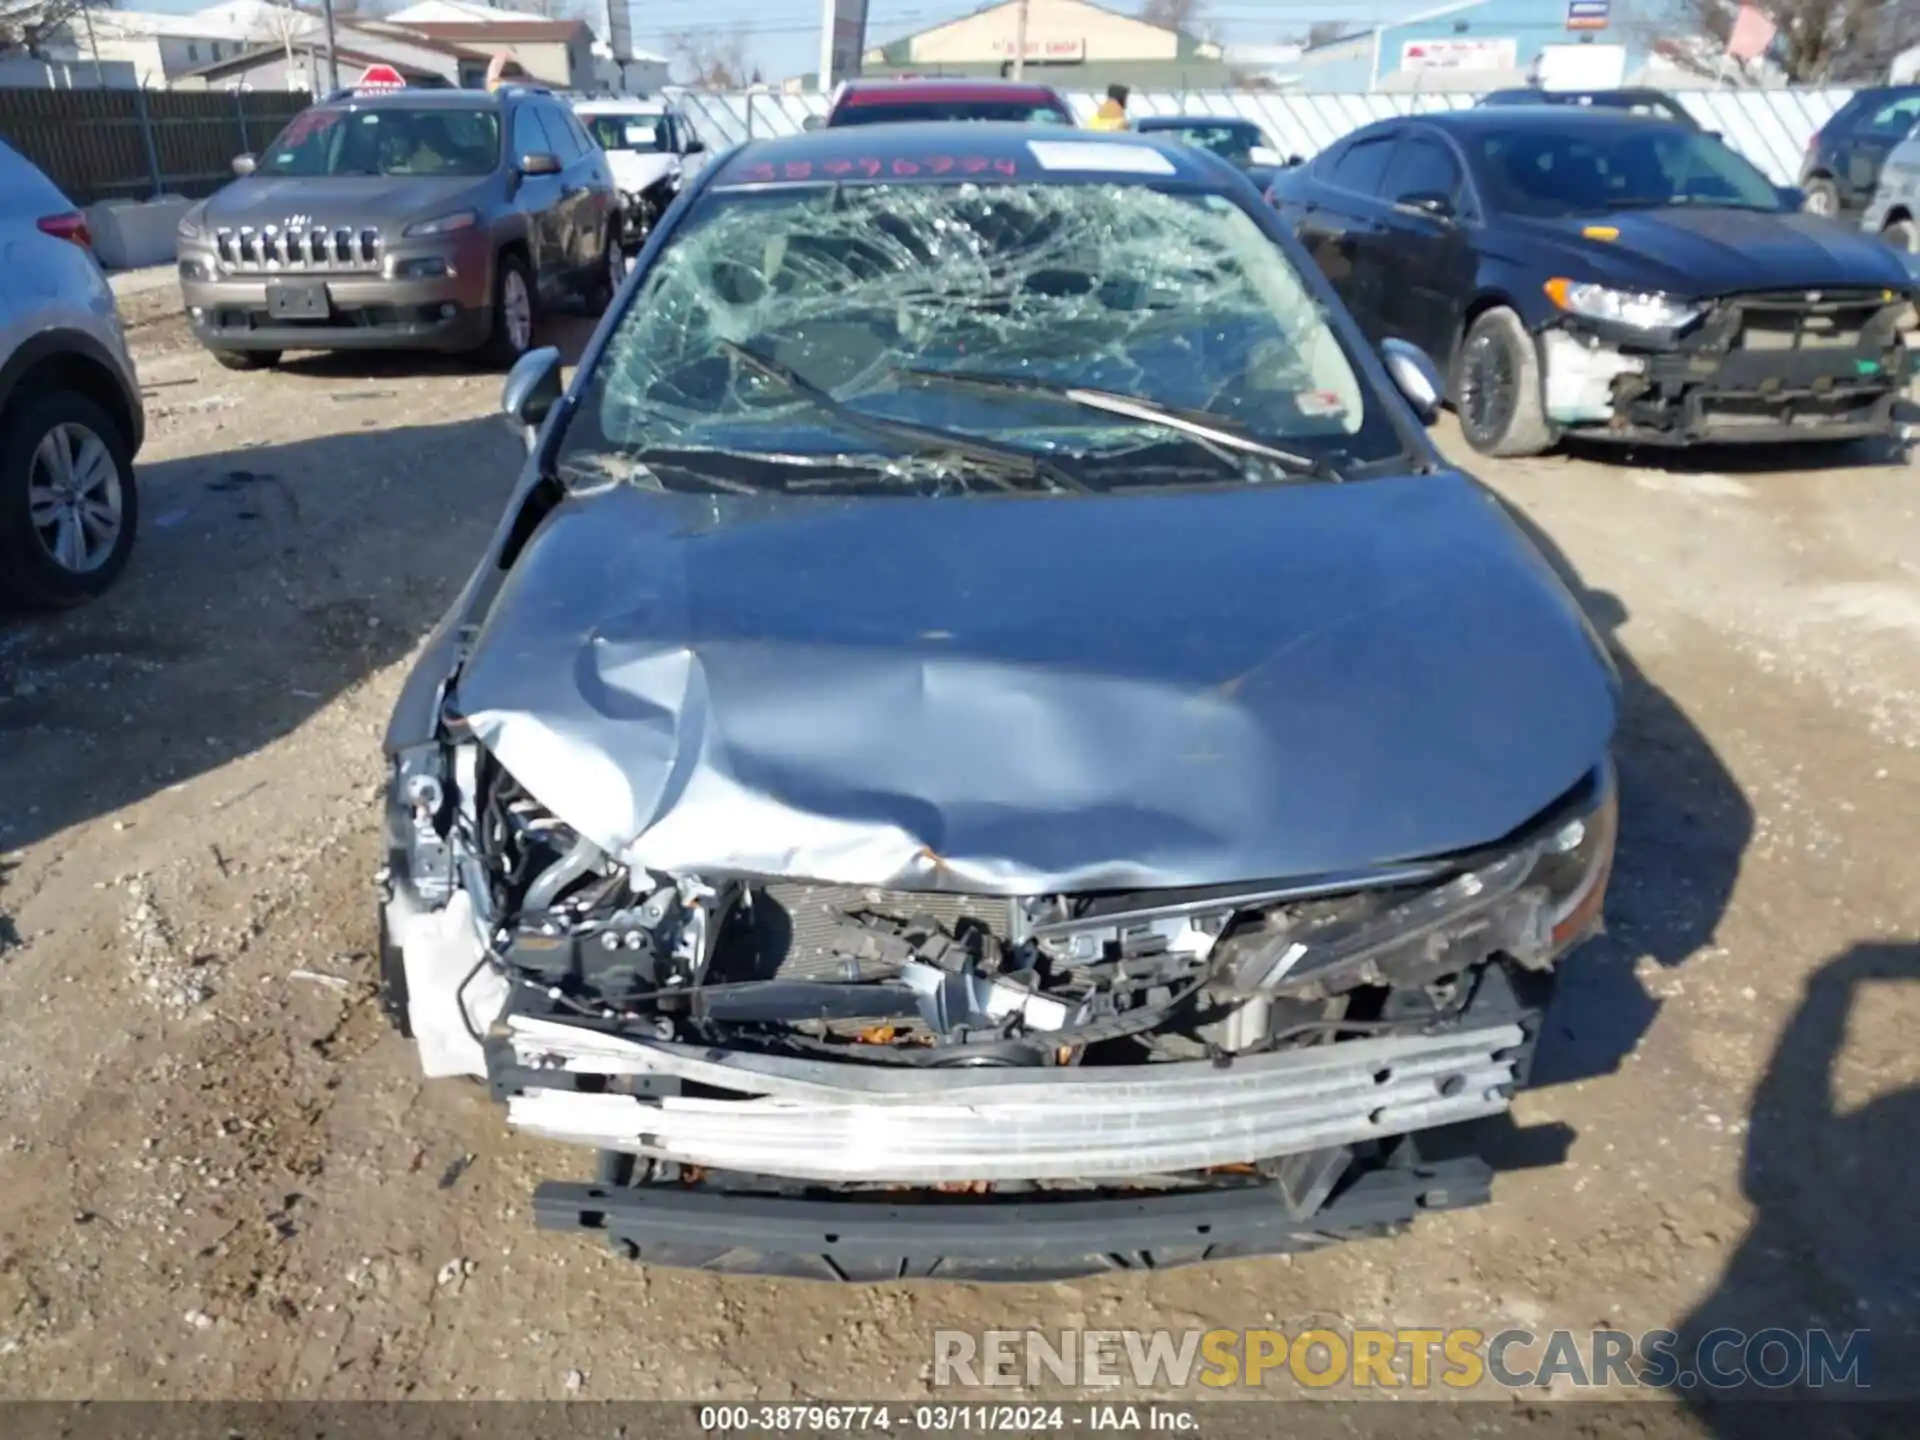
<point>1636,309</point>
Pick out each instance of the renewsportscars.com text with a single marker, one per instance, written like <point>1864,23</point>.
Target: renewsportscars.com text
<point>1403,1358</point>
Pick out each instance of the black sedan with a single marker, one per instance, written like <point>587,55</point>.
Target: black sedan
<point>1579,272</point>
<point>988,743</point>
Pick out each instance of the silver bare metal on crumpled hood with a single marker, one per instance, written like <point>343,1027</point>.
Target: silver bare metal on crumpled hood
<point>1019,696</point>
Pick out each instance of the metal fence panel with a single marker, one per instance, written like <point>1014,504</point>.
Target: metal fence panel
<point>132,144</point>
<point>1770,127</point>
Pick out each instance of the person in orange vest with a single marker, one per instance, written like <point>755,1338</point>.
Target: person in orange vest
<point>1112,114</point>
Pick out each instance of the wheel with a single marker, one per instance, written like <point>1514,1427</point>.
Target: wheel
<point>1497,388</point>
<point>513,314</point>
<point>612,270</point>
<point>1822,196</point>
<point>1902,235</point>
<point>246,359</point>
<point>68,507</point>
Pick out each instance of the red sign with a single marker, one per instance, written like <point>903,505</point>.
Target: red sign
<point>381,77</point>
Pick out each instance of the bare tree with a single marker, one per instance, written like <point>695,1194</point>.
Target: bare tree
<point>1184,15</point>
<point>708,60</point>
<point>284,24</point>
<point>29,26</point>
<point>1815,42</point>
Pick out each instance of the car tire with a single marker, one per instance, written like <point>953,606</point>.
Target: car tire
<point>246,359</point>
<point>610,272</point>
<point>1821,197</point>
<point>516,314</point>
<point>1496,388</point>
<point>1902,235</point>
<point>94,504</point>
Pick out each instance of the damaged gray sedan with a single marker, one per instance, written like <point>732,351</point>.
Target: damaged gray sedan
<point>988,743</point>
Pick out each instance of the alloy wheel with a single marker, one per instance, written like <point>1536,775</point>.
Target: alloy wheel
<point>75,501</point>
<point>518,305</point>
<point>1486,388</point>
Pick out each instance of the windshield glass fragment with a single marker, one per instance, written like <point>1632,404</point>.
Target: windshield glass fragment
<point>1177,300</point>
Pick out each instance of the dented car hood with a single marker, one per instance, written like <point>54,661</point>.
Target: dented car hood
<point>1029,695</point>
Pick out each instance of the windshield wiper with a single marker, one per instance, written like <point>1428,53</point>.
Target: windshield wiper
<point>996,461</point>
<point>1208,431</point>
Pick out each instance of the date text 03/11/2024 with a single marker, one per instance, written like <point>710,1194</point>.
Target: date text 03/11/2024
<point>944,1419</point>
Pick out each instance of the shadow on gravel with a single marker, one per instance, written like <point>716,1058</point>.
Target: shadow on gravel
<point>266,581</point>
<point>1835,1241</point>
<point>1684,825</point>
<point>1744,459</point>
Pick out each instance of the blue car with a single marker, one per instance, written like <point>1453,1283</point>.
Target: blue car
<point>988,742</point>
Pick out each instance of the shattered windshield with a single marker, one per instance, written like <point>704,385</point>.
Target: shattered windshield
<point>1113,333</point>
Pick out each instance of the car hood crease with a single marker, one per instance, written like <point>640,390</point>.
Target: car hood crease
<point>1018,696</point>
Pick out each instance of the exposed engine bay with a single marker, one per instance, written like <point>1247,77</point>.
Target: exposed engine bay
<point>784,968</point>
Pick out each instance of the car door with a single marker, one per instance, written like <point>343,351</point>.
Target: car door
<point>589,188</point>
<point>538,198</point>
<point>691,149</point>
<point>1864,148</point>
<point>1337,218</point>
<point>576,190</point>
<point>1427,243</point>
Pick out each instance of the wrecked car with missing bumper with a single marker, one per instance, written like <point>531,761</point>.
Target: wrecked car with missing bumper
<point>1612,276</point>
<point>988,743</point>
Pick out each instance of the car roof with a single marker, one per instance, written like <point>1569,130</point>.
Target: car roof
<point>933,151</point>
<point>1191,122</point>
<point>622,105</point>
<point>422,98</point>
<point>873,91</point>
<point>1579,119</point>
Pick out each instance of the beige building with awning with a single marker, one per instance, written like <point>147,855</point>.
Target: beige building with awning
<point>1069,43</point>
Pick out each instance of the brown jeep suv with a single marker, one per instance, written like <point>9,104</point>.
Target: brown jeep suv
<point>403,220</point>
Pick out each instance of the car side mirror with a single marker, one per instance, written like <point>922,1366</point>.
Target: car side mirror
<point>1792,197</point>
<point>244,164</point>
<point>533,388</point>
<point>695,145</point>
<point>1413,374</point>
<point>814,122</point>
<point>540,164</point>
<point>1428,202</point>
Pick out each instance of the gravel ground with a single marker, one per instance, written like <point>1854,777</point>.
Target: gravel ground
<point>222,1177</point>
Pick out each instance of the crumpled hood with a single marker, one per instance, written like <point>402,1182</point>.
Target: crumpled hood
<point>1029,695</point>
<point>637,170</point>
<point>1672,249</point>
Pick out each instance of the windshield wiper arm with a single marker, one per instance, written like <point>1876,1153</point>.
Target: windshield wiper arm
<point>1206,430</point>
<point>996,460</point>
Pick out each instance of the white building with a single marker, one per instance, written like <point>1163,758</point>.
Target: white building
<point>160,48</point>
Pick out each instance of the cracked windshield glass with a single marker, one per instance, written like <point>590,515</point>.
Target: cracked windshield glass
<point>967,337</point>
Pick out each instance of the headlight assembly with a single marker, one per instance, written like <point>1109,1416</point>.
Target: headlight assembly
<point>444,225</point>
<point>1637,309</point>
<point>1532,902</point>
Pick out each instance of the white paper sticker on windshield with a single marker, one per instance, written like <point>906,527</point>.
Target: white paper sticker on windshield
<point>639,134</point>
<point>1099,155</point>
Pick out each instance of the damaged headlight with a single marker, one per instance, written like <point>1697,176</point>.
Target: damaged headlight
<point>1639,309</point>
<point>1532,903</point>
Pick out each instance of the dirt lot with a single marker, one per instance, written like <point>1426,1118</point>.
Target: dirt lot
<point>221,1176</point>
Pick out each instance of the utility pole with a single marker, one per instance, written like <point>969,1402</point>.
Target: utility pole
<point>333,52</point>
<point>826,45</point>
<point>1020,42</point>
<point>93,44</point>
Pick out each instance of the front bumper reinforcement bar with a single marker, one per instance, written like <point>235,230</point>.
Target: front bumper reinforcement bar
<point>827,1121</point>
